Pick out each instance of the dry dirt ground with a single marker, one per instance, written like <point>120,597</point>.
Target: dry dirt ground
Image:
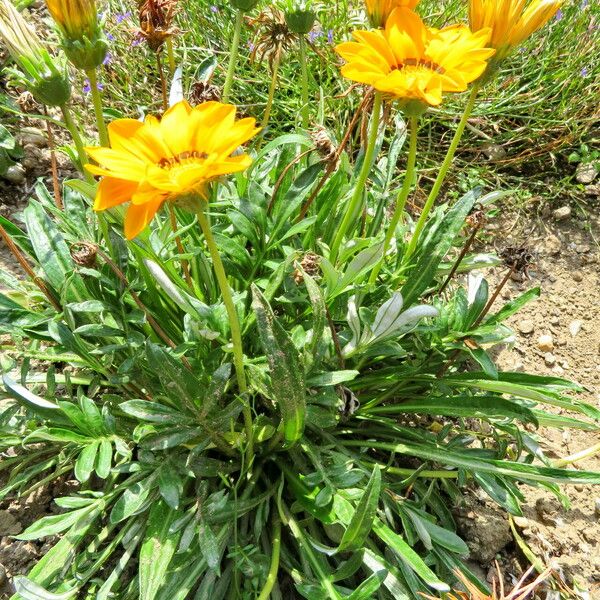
<point>559,334</point>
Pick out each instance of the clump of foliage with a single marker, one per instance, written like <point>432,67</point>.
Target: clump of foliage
<point>277,386</point>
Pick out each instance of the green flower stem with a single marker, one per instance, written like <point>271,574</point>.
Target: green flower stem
<point>437,186</point>
<point>357,196</point>
<point>272,88</point>
<point>171,56</point>
<point>76,137</point>
<point>402,196</point>
<point>272,575</point>
<point>305,112</point>
<point>234,324</point>
<point>97,100</point>
<point>233,57</point>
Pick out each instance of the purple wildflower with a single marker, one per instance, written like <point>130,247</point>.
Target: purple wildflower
<point>123,16</point>
<point>136,41</point>
<point>250,46</point>
<point>314,35</point>
<point>559,15</point>
<point>214,8</point>
<point>584,72</point>
<point>107,59</point>
<point>110,37</point>
<point>330,36</point>
<point>87,88</point>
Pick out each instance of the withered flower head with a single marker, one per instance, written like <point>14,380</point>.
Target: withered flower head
<point>273,36</point>
<point>203,91</point>
<point>156,21</point>
<point>324,144</point>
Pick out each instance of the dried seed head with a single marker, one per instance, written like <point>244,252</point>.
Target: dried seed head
<point>273,36</point>
<point>518,258</point>
<point>324,145</point>
<point>84,254</point>
<point>204,92</point>
<point>309,265</point>
<point>156,21</point>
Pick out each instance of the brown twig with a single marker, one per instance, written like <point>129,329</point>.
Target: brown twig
<point>185,266</point>
<point>27,268</point>
<point>53,164</point>
<point>333,163</point>
<point>462,254</point>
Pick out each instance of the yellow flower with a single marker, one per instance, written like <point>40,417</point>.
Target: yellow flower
<point>380,10</point>
<point>170,159</point>
<point>511,21</point>
<point>410,61</point>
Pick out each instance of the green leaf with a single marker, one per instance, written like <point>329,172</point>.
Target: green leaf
<point>52,525</point>
<point>157,550</point>
<point>29,590</point>
<point>153,412</point>
<point>443,537</point>
<point>85,462</point>
<point>483,407</point>
<point>407,555</point>
<point>438,241</point>
<point>104,459</point>
<point>331,378</point>
<point>38,405</point>
<point>318,307</point>
<point>52,252</point>
<point>131,500</point>
<point>287,376</point>
<point>368,587</point>
<point>514,306</point>
<point>362,521</point>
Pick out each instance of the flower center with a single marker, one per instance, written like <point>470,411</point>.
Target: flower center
<point>420,63</point>
<point>182,158</point>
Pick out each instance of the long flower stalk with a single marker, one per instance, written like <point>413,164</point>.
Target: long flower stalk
<point>76,137</point>
<point>437,186</point>
<point>305,111</point>
<point>97,101</point>
<point>357,196</point>
<point>233,57</point>
<point>402,196</point>
<point>234,324</point>
<point>272,88</point>
<point>171,55</point>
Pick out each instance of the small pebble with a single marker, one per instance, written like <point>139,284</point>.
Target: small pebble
<point>597,507</point>
<point>562,213</point>
<point>575,327</point>
<point>526,327</point>
<point>586,172</point>
<point>577,276</point>
<point>15,174</point>
<point>549,359</point>
<point>545,343</point>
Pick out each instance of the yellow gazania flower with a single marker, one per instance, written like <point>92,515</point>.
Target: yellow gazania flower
<point>170,159</point>
<point>511,21</point>
<point>380,10</point>
<point>410,61</point>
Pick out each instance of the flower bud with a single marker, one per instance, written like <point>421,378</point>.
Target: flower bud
<point>243,5</point>
<point>40,75</point>
<point>300,21</point>
<point>82,37</point>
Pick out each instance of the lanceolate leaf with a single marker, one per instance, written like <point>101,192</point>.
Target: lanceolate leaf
<point>360,526</point>
<point>157,550</point>
<point>437,244</point>
<point>287,376</point>
<point>52,252</point>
